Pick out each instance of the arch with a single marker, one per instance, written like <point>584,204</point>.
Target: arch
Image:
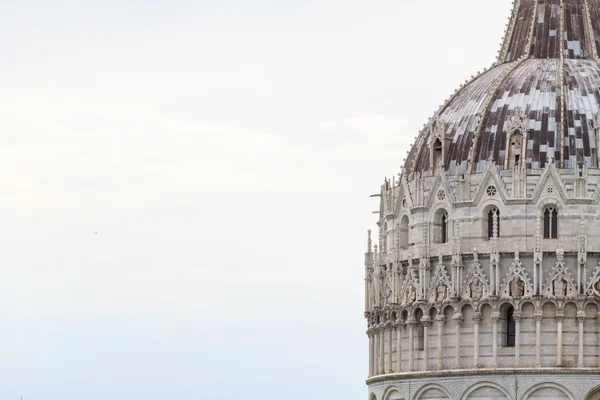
<point>472,392</point>
<point>594,394</point>
<point>524,303</point>
<point>548,390</point>
<point>487,218</point>
<point>510,328</point>
<point>484,303</point>
<point>404,231</point>
<point>516,148</point>
<point>441,223</point>
<point>430,390</point>
<point>372,396</point>
<point>388,394</point>
<point>550,222</point>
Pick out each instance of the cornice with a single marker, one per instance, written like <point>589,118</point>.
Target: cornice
<point>482,372</point>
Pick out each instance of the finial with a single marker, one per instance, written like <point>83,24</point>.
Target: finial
<point>516,252</point>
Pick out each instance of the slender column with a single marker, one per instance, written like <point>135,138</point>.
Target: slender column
<point>426,321</point>
<point>382,350</point>
<point>375,351</point>
<point>476,322</point>
<point>390,367</point>
<point>559,337</point>
<point>411,343</point>
<point>581,319</point>
<point>399,347</point>
<point>440,319</point>
<point>458,320</point>
<point>598,341</point>
<point>495,319</point>
<point>538,339</point>
<point>517,317</point>
<point>371,350</point>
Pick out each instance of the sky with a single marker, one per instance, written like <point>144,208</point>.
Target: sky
<point>184,186</point>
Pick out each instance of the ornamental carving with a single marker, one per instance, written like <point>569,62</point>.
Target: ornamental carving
<point>476,286</point>
<point>560,284</point>
<point>517,283</point>
<point>441,285</point>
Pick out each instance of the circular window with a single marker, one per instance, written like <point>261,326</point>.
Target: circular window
<point>491,190</point>
<point>441,195</point>
<point>404,203</point>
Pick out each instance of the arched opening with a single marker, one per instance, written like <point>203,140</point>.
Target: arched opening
<point>515,149</point>
<point>550,223</point>
<point>419,331</point>
<point>510,327</point>
<point>493,219</point>
<point>441,227</point>
<point>404,222</point>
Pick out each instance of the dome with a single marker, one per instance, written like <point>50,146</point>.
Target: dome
<point>545,89</point>
<point>484,280</point>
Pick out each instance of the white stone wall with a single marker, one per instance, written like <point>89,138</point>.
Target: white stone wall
<point>414,283</point>
<point>489,385</point>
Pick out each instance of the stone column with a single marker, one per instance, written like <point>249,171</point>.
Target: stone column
<point>382,350</point>
<point>458,320</point>
<point>370,335</point>
<point>581,319</point>
<point>399,347</point>
<point>517,317</point>
<point>440,319</point>
<point>375,350</point>
<point>476,322</point>
<point>538,339</point>
<point>495,319</point>
<point>411,344</point>
<point>390,367</point>
<point>559,337</point>
<point>426,321</point>
<point>375,363</point>
<point>598,333</point>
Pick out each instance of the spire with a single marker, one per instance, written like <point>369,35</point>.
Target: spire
<point>546,28</point>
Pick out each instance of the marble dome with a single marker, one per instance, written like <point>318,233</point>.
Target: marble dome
<point>549,83</point>
<point>483,281</point>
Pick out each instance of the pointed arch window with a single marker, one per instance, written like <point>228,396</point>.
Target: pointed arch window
<point>510,327</point>
<point>441,227</point>
<point>493,214</point>
<point>445,228</point>
<point>550,223</point>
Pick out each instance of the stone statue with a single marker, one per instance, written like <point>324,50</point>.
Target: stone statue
<point>441,292</point>
<point>560,288</point>
<point>517,253</point>
<point>412,295</point>
<point>388,293</point>
<point>517,287</point>
<point>476,289</point>
<point>475,254</point>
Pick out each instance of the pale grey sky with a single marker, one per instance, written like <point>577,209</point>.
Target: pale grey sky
<point>184,195</point>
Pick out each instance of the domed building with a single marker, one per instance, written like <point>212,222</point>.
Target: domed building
<point>484,282</point>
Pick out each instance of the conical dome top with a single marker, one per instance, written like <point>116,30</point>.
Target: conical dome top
<point>546,28</point>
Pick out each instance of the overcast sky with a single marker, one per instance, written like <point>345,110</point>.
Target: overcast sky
<point>184,187</point>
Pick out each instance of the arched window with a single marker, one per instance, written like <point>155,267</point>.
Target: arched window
<point>404,232</point>
<point>420,337</point>
<point>494,213</point>
<point>445,228</point>
<point>516,144</point>
<point>550,223</point>
<point>510,327</point>
<point>441,227</point>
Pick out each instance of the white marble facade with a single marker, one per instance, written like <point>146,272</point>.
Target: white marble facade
<point>445,300</point>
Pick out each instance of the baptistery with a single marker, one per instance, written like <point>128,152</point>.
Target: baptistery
<point>484,279</point>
